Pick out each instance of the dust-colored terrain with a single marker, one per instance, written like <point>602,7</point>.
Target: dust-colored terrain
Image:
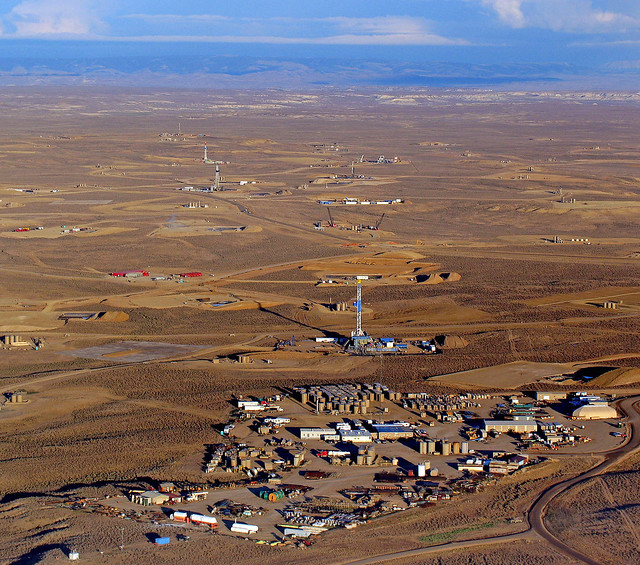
<point>467,257</point>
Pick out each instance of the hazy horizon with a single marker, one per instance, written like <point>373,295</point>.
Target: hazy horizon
<point>566,44</point>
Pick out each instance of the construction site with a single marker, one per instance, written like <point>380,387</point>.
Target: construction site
<point>434,353</point>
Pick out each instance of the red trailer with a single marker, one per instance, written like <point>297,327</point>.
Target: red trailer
<point>138,273</point>
<point>192,274</point>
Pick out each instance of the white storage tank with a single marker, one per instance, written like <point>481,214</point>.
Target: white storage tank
<point>201,519</point>
<point>240,528</point>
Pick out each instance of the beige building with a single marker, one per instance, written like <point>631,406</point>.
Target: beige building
<point>518,426</point>
<point>550,396</point>
<point>149,498</point>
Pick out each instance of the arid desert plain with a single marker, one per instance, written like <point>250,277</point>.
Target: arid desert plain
<point>495,240</point>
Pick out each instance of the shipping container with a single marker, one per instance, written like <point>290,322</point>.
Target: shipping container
<point>162,541</point>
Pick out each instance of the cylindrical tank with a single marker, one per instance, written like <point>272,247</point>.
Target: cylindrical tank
<point>360,459</point>
<point>422,470</point>
<point>422,447</point>
<point>368,459</point>
<point>464,447</point>
<point>446,448</point>
<point>455,447</point>
<point>304,397</point>
<point>431,446</point>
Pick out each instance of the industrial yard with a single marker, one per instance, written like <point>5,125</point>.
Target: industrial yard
<point>333,345</point>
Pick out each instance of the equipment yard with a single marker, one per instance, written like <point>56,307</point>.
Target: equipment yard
<point>369,359</point>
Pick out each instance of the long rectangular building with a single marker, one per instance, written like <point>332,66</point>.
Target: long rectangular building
<point>390,431</point>
<point>316,433</point>
<point>518,426</point>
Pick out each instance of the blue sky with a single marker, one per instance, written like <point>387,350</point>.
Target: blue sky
<point>592,33</point>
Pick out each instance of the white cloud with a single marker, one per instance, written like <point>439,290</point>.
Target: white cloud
<point>384,30</point>
<point>572,16</point>
<point>34,18</point>
<point>334,30</point>
<point>509,11</point>
<point>345,39</point>
<point>178,18</point>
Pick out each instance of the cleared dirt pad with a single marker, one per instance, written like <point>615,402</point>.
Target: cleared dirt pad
<point>133,351</point>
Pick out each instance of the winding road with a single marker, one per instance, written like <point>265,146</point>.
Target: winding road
<point>538,509</point>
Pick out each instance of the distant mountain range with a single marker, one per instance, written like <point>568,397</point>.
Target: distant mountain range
<point>252,72</point>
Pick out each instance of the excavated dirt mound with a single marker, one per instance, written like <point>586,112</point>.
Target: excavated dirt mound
<point>433,278</point>
<point>617,377</point>
<point>437,278</point>
<point>114,316</point>
<point>451,341</point>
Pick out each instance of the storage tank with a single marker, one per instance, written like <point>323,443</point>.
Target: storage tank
<point>422,470</point>
<point>207,520</point>
<point>274,496</point>
<point>239,528</point>
<point>180,516</point>
<point>431,446</point>
<point>446,448</point>
<point>464,447</point>
<point>422,447</point>
<point>456,447</point>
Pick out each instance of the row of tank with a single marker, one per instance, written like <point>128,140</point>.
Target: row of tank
<point>442,447</point>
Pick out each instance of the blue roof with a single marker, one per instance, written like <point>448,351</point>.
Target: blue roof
<point>390,428</point>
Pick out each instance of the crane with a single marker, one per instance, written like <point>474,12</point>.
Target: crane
<point>377,224</point>
<point>331,222</point>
